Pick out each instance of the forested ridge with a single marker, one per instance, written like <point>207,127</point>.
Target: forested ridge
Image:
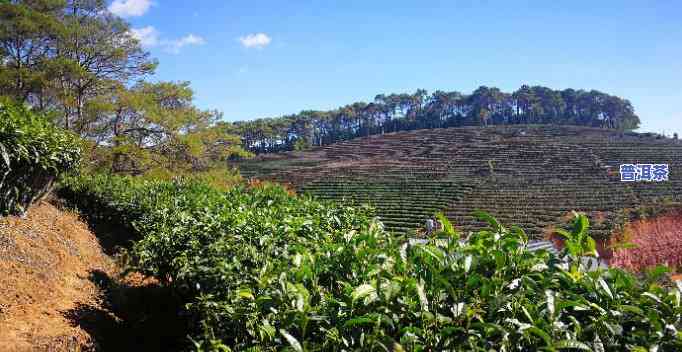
<point>82,65</point>
<point>402,112</point>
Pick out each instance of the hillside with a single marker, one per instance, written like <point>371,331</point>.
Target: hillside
<point>45,262</point>
<point>527,175</point>
<point>61,289</point>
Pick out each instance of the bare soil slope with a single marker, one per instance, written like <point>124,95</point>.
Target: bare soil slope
<point>45,263</point>
<point>62,290</point>
<point>656,240</point>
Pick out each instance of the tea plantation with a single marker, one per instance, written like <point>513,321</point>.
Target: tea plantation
<point>256,268</point>
<point>530,175</point>
<point>261,270</point>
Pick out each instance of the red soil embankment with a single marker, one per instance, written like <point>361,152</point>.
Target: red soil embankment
<point>658,241</point>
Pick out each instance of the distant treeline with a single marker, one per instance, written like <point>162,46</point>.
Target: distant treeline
<point>401,112</point>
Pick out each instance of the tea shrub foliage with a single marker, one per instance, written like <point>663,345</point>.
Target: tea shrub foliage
<point>262,270</point>
<point>33,152</point>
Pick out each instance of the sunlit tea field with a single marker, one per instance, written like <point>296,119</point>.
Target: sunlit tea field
<point>527,175</point>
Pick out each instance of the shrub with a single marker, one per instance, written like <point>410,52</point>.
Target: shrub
<point>33,153</point>
<point>262,270</point>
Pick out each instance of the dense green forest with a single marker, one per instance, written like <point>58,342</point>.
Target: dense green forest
<point>401,112</point>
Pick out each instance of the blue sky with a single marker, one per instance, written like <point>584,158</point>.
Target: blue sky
<point>253,59</point>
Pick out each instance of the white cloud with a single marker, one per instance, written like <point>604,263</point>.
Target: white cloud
<point>174,46</point>
<point>255,40</point>
<point>148,36</point>
<point>130,8</point>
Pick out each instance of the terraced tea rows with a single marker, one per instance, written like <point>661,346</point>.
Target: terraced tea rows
<point>402,206</point>
<point>529,175</point>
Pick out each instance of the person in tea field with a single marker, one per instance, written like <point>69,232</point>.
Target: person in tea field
<point>430,226</point>
<point>433,225</point>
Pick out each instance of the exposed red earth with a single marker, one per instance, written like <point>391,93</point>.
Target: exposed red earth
<point>657,241</point>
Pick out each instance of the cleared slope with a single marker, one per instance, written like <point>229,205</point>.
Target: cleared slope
<point>45,262</point>
<point>527,175</point>
<point>61,290</point>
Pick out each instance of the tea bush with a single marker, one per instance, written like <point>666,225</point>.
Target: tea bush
<point>33,153</point>
<point>262,270</point>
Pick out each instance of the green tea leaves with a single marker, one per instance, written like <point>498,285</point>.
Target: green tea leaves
<point>263,270</point>
<point>365,292</point>
<point>293,342</point>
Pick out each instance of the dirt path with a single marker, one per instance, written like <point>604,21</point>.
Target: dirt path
<point>61,291</point>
